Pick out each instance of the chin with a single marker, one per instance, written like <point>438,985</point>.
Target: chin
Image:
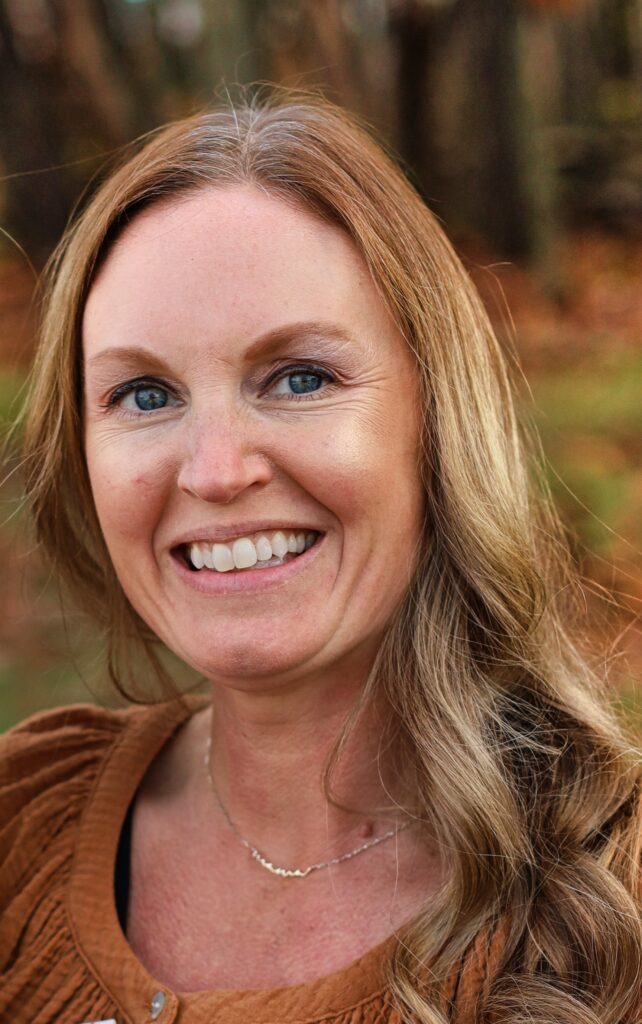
<point>249,663</point>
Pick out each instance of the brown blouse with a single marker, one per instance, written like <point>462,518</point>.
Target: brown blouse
<point>67,778</point>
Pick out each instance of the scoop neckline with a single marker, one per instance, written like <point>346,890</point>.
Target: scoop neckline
<point>93,917</point>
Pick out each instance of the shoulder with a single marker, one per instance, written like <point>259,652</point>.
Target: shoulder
<point>48,765</point>
<point>45,750</point>
<point>65,727</point>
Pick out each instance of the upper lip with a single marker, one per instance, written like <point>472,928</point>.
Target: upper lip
<point>231,532</point>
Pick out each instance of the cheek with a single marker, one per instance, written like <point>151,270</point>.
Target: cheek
<point>129,492</point>
<point>365,469</point>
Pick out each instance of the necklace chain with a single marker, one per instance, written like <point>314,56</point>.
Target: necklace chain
<point>291,872</point>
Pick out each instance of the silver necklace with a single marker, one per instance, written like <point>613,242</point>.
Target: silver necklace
<point>290,872</point>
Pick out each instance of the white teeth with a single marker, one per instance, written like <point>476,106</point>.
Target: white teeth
<point>223,560</point>
<point>263,549</point>
<point>244,553</point>
<point>196,556</point>
<point>279,545</point>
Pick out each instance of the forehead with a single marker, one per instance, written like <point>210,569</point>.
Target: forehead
<point>227,264</point>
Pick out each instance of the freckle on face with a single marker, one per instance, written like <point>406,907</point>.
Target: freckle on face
<point>236,265</point>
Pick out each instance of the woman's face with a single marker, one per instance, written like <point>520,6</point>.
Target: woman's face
<point>244,382</point>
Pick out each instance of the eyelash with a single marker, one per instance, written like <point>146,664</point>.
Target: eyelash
<point>140,382</point>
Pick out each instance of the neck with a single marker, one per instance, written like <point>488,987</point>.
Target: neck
<point>269,753</point>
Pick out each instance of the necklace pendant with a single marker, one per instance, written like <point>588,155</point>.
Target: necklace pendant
<point>293,872</point>
<point>281,872</point>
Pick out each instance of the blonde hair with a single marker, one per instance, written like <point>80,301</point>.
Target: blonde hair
<point>520,767</point>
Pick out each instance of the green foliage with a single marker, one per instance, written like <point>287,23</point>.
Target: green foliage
<point>12,392</point>
<point>603,397</point>
<point>590,419</point>
<point>25,689</point>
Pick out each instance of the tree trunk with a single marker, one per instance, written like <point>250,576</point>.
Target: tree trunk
<point>38,188</point>
<point>498,126</point>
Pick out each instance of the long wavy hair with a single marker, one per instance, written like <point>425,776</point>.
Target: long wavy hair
<point>529,782</point>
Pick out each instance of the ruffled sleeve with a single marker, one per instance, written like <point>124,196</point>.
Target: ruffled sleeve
<point>48,766</point>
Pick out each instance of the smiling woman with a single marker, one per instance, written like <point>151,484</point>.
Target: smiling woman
<point>271,429</point>
<point>243,420</point>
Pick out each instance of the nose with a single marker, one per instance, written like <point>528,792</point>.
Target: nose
<point>221,461</point>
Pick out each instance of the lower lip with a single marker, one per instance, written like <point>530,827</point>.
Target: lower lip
<point>208,581</point>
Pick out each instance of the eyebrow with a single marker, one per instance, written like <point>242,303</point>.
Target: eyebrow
<point>265,345</point>
<point>305,330</point>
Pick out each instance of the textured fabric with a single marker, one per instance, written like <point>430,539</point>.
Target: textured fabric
<point>67,778</point>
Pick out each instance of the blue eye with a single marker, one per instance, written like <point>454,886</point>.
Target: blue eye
<point>143,397</point>
<point>149,398</point>
<point>300,382</point>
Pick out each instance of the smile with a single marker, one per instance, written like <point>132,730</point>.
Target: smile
<point>257,551</point>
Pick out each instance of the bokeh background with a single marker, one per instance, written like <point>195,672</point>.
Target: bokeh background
<point>519,122</point>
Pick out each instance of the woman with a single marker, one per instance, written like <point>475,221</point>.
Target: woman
<point>271,428</point>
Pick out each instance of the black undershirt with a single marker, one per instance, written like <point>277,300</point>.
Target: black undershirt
<point>121,873</point>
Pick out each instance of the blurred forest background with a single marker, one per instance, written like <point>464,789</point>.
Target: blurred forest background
<point>518,120</point>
